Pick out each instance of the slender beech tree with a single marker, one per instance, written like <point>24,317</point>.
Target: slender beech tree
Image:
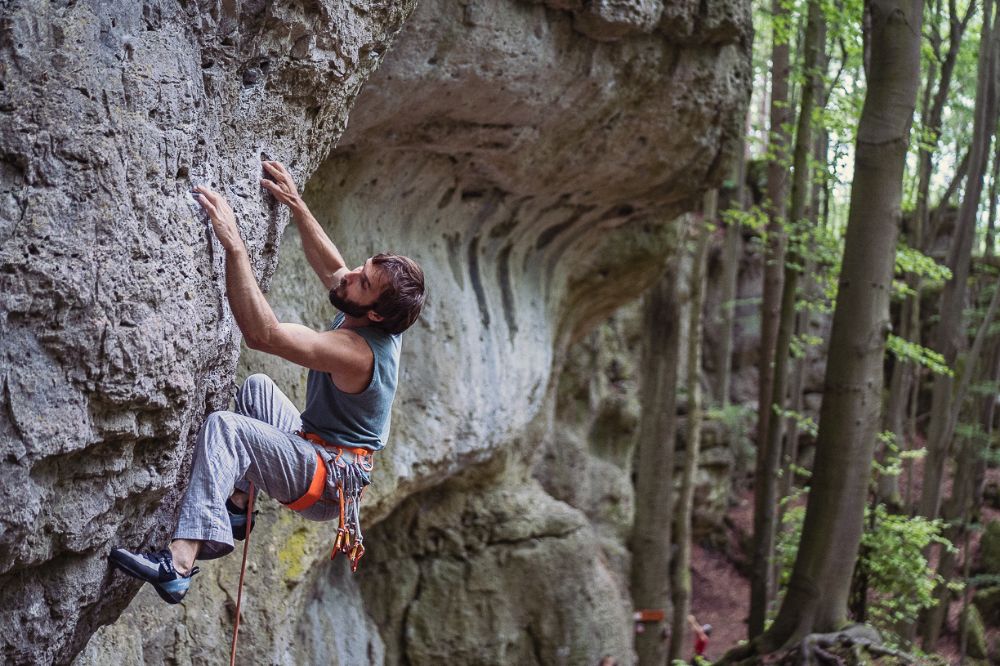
<point>654,463</point>
<point>732,242</point>
<point>991,217</point>
<point>769,451</point>
<point>816,598</point>
<point>932,111</point>
<point>685,508</point>
<point>950,331</point>
<point>774,259</point>
<point>796,393</point>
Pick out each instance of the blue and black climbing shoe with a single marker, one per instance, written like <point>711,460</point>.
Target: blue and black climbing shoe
<point>238,520</point>
<point>156,569</point>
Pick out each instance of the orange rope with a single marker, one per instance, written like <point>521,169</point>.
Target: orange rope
<point>243,570</point>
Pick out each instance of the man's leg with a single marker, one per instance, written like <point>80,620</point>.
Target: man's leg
<point>230,447</point>
<point>261,399</point>
<point>233,448</point>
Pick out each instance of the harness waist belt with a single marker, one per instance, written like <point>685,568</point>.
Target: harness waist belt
<point>318,484</point>
<point>316,439</point>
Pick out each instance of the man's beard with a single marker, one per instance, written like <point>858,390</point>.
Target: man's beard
<point>347,306</point>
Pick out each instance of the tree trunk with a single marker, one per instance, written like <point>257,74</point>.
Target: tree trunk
<point>777,175</point>
<point>730,273</point>
<point>791,451</point>
<point>682,563</point>
<point>932,112</point>
<point>991,218</point>
<point>949,332</point>
<point>816,599</point>
<point>654,464</point>
<point>769,451</point>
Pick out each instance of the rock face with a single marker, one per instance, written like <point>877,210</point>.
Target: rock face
<point>529,156</point>
<point>115,336</point>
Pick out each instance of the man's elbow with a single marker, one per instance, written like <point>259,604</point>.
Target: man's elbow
<point>264,341</point>
<point>255,344</point>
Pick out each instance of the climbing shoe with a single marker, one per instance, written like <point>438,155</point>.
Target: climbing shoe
<point>156,569</point>
<point>238,520</point>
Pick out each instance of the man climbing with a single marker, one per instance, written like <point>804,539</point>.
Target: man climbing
<point>316,462</point>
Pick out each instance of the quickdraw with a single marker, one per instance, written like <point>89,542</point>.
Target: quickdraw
<point>350,478</point>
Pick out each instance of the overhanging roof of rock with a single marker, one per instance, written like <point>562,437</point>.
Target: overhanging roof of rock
<point>578,136</point>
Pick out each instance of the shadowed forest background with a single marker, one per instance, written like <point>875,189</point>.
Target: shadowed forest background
<point>712,331</point>
<point>872,414</point>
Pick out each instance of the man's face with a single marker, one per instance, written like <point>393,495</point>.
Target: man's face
<point>358,290</point>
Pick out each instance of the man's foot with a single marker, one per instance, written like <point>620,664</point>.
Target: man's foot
<point>238,519</point>
<point>156,569</point>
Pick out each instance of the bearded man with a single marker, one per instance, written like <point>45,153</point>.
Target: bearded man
<point>316,462</point>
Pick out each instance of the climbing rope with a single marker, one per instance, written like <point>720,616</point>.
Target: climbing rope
<point>243,570</point>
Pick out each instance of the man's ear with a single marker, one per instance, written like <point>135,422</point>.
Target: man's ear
<point>374,316</point>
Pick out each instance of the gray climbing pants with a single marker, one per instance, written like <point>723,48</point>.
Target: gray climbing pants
<point>256,444</point>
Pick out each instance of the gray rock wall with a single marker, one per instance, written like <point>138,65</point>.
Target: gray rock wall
<point>530,156</point>
<point>115,337</point>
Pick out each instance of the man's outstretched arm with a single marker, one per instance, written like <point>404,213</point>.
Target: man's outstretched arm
<point>322,254</point>
<point>342,353</point>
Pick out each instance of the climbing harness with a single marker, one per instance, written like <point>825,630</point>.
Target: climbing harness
<point>243,570</point>
<point>350,479</point>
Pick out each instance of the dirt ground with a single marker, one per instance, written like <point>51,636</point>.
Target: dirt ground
<point>721,595</point>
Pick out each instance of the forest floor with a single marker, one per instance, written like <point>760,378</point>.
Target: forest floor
<point>721,593</point>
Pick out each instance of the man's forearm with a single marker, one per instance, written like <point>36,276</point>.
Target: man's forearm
<point>321,253</point>
<point>250,309</point>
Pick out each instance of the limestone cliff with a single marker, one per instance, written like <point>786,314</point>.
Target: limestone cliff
<point>529,155</point>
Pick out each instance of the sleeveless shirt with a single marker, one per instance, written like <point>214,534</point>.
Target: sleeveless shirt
<point>355,419</point>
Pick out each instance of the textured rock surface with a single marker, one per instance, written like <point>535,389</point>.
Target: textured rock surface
<point>501,574</point>
<point>528,164</point>
<point>115,339</point>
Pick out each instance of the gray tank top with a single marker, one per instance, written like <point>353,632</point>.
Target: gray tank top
<point>355,419</point>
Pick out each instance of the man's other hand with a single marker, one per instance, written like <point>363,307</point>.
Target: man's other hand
<point>281,184</point>
<point>223,218</point>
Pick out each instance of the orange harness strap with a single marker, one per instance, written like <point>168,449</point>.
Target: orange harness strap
<point>316,488</point>
<point>316,439</point>
<point>348,538</point>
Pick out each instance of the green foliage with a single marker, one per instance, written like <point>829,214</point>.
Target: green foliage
<point>804,422</point>
<point>901,582</point>
<point>892,461</point>
<point>973,432</point>
<point>801,342</point>
<point>900,578</point>
<point>739,421</point>
<point>823,247</point>
<point>755,218</point>
<point>914,262</point>
<point>907,351</point>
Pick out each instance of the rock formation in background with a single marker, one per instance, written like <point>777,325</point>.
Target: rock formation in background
<point>530,155</point>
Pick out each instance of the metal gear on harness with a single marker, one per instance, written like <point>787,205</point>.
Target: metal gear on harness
<point>350,479</point>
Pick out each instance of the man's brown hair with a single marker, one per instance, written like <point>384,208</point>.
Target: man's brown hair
<point>403,295</point>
